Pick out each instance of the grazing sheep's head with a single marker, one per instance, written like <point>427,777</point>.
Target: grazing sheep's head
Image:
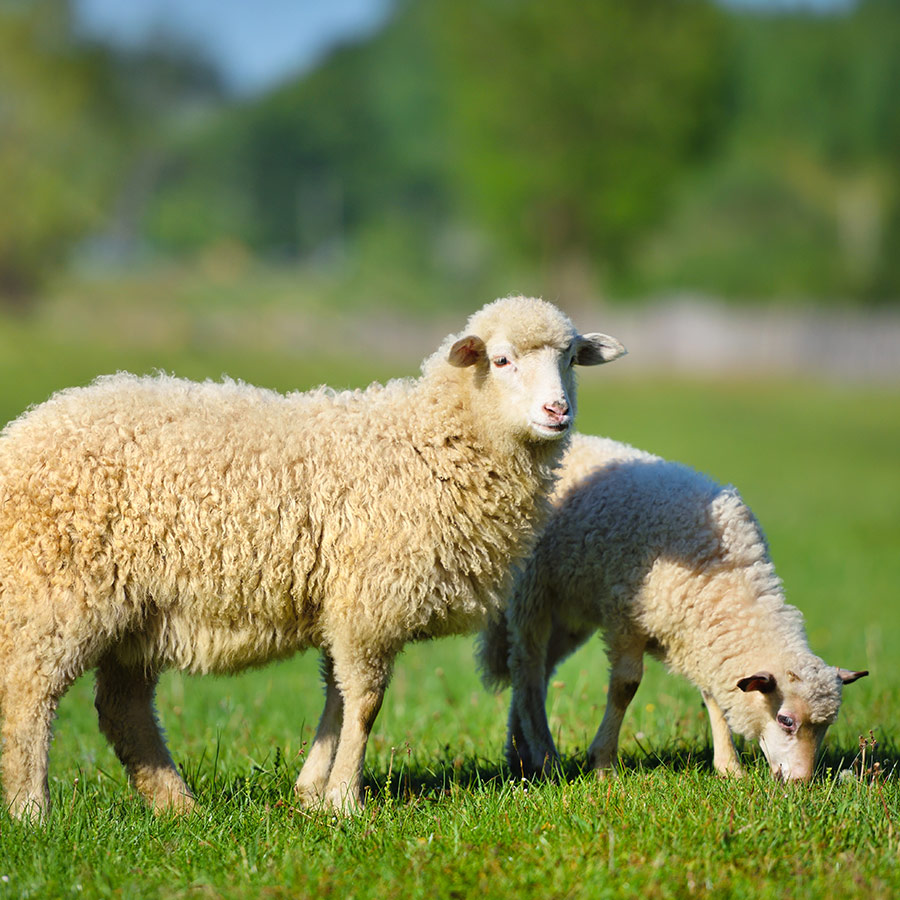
<point>522,352</point>
<point>795,711</point>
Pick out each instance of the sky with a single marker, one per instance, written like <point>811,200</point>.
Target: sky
<point>258,43</point>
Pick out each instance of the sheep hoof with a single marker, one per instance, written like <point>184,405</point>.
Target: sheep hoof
<point>602,760</point>
<point>175,804</point>
<point>342,806</point>
<point>337,801</point>
<point>551,767</point>
<point>31,812</point>
<point>309,796</point>
<point>604,769</point>
<point>342,802</point>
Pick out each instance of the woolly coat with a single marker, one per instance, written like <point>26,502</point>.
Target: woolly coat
<point>214,526</point>
<point>683,559</point>
<point>148,522</point>
<point>663,560</point>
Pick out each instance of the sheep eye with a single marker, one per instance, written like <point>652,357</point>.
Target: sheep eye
<point>785,722</point>
<point>501,361</point>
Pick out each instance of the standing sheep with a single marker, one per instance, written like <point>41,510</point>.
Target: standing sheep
<point>667,562</point>
<point>148,523</point>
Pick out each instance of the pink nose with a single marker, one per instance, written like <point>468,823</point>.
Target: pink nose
<point>557,410</point>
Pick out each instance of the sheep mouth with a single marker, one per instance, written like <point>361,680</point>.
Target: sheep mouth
<point>551,429</point>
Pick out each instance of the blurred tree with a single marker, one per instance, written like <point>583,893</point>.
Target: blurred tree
<point>573,120</point>
<point>301,170</point>
<point>80,126</point>
<point>665,143</point>
<point>879,27</point>
<point>57,142</point>
<point>804,196</point>
<point>556,127</point>
<point>166,90</point>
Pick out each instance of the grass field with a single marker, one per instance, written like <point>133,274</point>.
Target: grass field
<point>820,465</point>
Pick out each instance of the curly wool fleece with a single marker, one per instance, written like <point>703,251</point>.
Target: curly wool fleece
<point>148,522</point>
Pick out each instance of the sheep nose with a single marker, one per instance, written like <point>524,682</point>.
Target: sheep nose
<point>557,410</point>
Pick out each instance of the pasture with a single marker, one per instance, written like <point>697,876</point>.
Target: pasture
<point>820,466</point>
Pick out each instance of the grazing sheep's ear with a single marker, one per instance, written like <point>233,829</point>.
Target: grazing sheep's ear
<point>594,349</point>
<point>849,677</point>
<point>764,682</point>
<point>467,351</point>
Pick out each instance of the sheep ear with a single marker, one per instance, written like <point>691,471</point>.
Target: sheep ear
<point>594,349</point>
<point>764,682</point>
<point>849,677</point>
<point>467,351</point>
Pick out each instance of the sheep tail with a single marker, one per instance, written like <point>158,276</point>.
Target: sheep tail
<point>492,654</point>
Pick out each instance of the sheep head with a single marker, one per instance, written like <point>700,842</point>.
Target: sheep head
<point>794,712</point>
<point>522,352</point>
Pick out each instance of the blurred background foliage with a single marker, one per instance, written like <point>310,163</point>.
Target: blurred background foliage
<point>614,150</point>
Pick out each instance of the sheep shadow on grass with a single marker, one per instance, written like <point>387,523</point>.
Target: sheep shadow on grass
<point>405,778</point>
<point>447,776</point>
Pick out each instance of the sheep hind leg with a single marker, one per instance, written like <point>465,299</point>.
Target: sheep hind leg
<point>516,747</point>
<point>529,747</point>
<point>313,777</point>
<point>124,703</point>
<point>626,671</point>
<point>539,644</point>
<point>565,638</point>
<point>725,758</point>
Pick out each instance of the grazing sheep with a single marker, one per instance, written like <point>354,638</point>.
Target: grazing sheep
<point>664,561</point>
<point>153,522</point>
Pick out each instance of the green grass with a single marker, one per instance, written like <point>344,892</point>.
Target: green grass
<point>820,464</point>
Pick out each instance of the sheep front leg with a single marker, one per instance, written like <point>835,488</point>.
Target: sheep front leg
<point>362,678</point>
<point>310,786</point>
<point>124,703</point>
<point>725,758</point>
<point>626,671</point>
<point>29,707</point>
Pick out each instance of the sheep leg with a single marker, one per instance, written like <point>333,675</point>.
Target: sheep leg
<point>564,640</point>
<point>529,746</point>
<point>362,678</point>
<point>515,740</point>
<point>29,707</point>
<point>626,671</point>
<point>310,786</point>
<point>529,741</point>
<point>124,703</point>
<point>725,758</point>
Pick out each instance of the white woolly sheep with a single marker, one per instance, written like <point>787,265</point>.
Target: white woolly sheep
<point>152,522</point>
<point>664,561</point>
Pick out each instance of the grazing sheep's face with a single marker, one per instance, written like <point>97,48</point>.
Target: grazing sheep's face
<point>523,352</point>
<point>793,714</point>
<point>791,741</point>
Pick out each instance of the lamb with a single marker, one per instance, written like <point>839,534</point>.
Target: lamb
<point>152,522</point>
<point>664,561</point>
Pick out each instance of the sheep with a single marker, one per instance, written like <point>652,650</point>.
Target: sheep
<point>153,522</point>
<point>664,561</point>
